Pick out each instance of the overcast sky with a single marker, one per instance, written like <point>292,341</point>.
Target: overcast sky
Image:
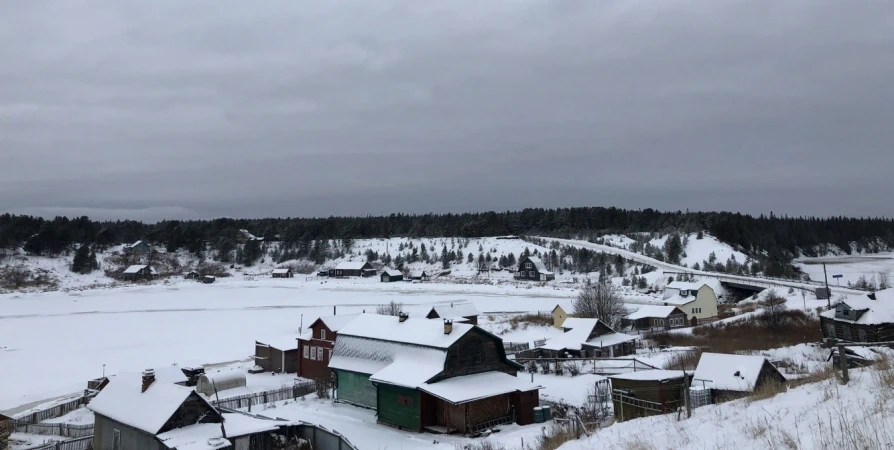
<point>186,109</point>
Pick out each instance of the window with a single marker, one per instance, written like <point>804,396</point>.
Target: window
<point>323,334</point>
<point>116,439</point>
<point>532,274</point>
<point>861,335</point>
<point>477,357</point>
<point>845,312</point>
<point>847,332</point>
<point>830,330</point>
<point>528,265</point>
<point>320,353</point>
<point>306,351</point>
<point>313,353</point>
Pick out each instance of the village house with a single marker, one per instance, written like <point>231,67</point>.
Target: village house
<point>137,248</point>
<point>587,338</point>
<point>192,275</point>
<point>316,343</point>
<point>432,375</point>
<point>208,279</point>
<point>277,355</point>
<point>656,318</point>
<point>733,376</point>
<point>139,272</point>
<point>531,268</point>
<point>647,393</point>
<point>698,299</point>
<point>353,269</point>
<point>391,275</point>
<point>281,272</point>
<point>134,412</point>
<point>419,275</point>
<point>559,316</point>
<point>458,312</point>
<point>861,318</point>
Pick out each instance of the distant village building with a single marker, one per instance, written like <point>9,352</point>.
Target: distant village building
<point>191,276</point>
<point>353,269</point>
<point>653,317</point>
<point>861,319</point>
<point>315,346</point>
<point>208,279</point>
<point>458,312</point>
<point>421,374</point>
<point>142,413</point>
<point>419,275</point>
<point>282,272</point>
<point>647,393</point>
<point>139,272</point>
<point>391,275</point>
<point>697,299</point>
<point>559,316</point>
<point>587,338</point>
<point>733,376</point>
<point>277,355</point>
<point>137,248</point>
<point>531,268</point>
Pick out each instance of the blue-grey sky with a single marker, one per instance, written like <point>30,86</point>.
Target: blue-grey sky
<point>181,108</point>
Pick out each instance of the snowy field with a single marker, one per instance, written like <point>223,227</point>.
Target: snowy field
<point>850,267</point>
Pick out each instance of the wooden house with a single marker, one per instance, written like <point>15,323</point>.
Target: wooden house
<point>391,275</point>
<point>587,338</point>
<point>861,319</point>
<point>281,272</point>
<point>559,316</point>
<point>419,275</point>
<point>134,412</point>
<point>531,268</point>
<point>192,276</point>
<point>647,393</point>
<point>138,248</point>
<point>433,375</point>
<point>698,299</point>
<point>208,279</point>
<point>353,269</point>
<point>139,272</point>
<point>315,346</point>
<point>656,318</point>
<point>458,312</point>
<point>277,355</point>
<point>734,376</point>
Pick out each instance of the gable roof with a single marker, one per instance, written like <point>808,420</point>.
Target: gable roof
<point>456,310</point>
<point>418,273</point>
<point>557,307</point>
<point>421,332</point>
<point>140,242</point>
<point>336,323</point>
<point>714,284</point>
<point>729,372</point>
<point>279,270</point>
<point>878,311</point>
<point>649,311</point>
<point>578,331</point>
<point>538,264</point>
<point>386,361</point>
<point>147,411</point>
<point>285,342</point>
<point>392,272</point>
<point>137,268</point>
<point>351,265</point>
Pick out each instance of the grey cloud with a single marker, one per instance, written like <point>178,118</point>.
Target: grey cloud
<point>201,109</point>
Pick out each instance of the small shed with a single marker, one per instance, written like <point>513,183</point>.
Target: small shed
<point>391,275</point>
<point>138,272</point>
<point>457,312</point>
<point>223,381</point>
<point>419,275</point>
<point>138,247</point>
<point>559,316</point>
<point>734,376</point>
<point>655,317</point>
<point>647,393</point>
<point>208,279</point>
<point>353,269</point>
<point>192,276</point>
<point>278,355</point>
<point>282,272</point>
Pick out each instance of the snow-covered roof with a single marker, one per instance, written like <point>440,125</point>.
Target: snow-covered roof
<point>386,361</point>
<point>728,372</point>
<point>650,375</point>
<point>207,436</point>
<point>135,244</point>
<point>148,411</point>
<point>336,323</point>
<point>610,339</point>
<point>418,273</point>
<point>878,311</point>
<point>649,311</point>
<point>350,265</point>
<point>137,268</point>
<point>578,330</point>
<point>679,300</point>
<point>538,263</point>
<point>695,285</point>
<point>279,270</point>
<point>456,310</point>
<point>392,272</point>
<point>423,332</point>
<point>284,342</point>
<point>469,388</point>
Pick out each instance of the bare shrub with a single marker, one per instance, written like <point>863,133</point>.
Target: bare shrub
<point>212,268</point>
<point>525,320</point>
<point>486,444</point>
<point>767,390</point>
<point>392,308</point>
<point>553,437</point>
<point>774,311</point>
<point>323,389</point>
<point>601,302</point>
<point>19,276</point>
<point>302,267</point>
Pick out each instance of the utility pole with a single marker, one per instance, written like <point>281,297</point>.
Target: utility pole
<point>828,292</point>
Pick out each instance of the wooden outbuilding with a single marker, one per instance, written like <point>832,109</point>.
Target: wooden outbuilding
<point>531,268</point>
<point>419,275</point>
<point>353,269</point>
<point>391,275</point>
<point>868,318</point>
<point>458,312</point>
<point>647,393</point>
<point>139,272</point>
<point>433,375</point>
<point>138,247</point>
<point>656,318</point>
<point>277,355</point>
<point>587,338</point>
<point>282,272</point>
<point>192,276</point>
<point>734,376</point>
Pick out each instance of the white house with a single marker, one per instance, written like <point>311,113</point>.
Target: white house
<point>697,298</point>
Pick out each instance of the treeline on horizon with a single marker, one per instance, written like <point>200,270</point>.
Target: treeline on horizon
<point>776,237</point>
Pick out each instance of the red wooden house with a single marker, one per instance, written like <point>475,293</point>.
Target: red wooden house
<point>315,346</point>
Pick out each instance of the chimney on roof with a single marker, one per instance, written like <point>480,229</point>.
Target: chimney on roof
<point>448,326</point>
<point>148,379</point>
<point>402,316</point>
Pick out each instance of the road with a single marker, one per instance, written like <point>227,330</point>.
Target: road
<point>667,267</point>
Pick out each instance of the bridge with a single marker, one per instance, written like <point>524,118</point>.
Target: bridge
<point>751,283</point>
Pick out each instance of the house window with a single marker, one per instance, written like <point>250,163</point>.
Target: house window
<point>861,335</point>
<point>696,310</point>
<point>532,274</point>
<point>320,353</point>
<point>528,265</point>
<point>847,332</point>
<point>306,351</point>
<point>313,353</point>
<point>845,312</point>
<point>830,330</point>
<point>323,334</point>
<point>116,439</point>
<point>477,357</point>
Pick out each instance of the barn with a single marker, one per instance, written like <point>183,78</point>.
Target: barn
<point>139,272</point>
<point>647,393</point>
<point>353,269</point>
<point>419,275</point>
<point>278,355</point>
<point>734,376</point>
<point>281,272</point>
<point>391,275</point>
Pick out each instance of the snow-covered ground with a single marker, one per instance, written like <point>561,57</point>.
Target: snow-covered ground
<point>850,267</point>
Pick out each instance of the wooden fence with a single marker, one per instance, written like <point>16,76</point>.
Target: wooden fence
<point>261,398</point>
<point>56,411</point>
<point>515,347</point>
<point>54,429</point>
<point>84,443</point>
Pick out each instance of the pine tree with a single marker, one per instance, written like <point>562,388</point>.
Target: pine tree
<point>445,258</point>
<point>82,262</point>
<point>471,258</point>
